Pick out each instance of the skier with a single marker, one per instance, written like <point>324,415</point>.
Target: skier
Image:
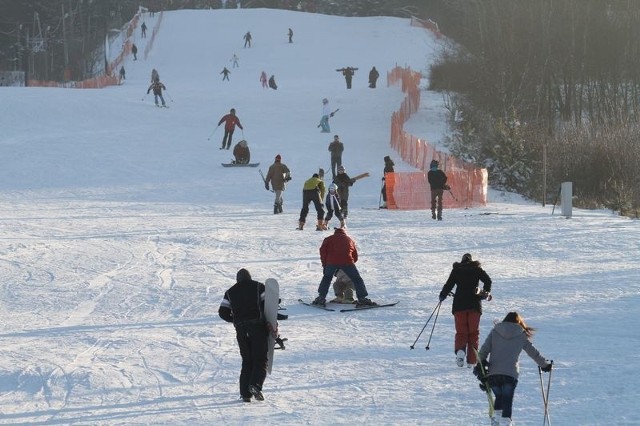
<point>290,33</point>
<point>263,80</point>
<point>343,288</point>
<point>272,83</point>
<point>373,77</point>
<point>122,73</point>
<point>134,50</point>
<point>241,153</point>
<point>336,148</point>
<point>467,306</point>
<point>332,202</point>
<point>278,174</point>
<point>144,30</point>
<point>234,59</point>
<point>247,39</point>
<point>313,191</point>
<point>326,114</point>
<point>343,181</point>
<point>503,346</point>
<point>243,305</point>
<point>157,87</point>
<point>348,73</point>
<point>230,122</point>
<point>338,251</point>
<point>438,182</point>
<point>154,75</point>
<point>225,73</point>
<point>388,168</point>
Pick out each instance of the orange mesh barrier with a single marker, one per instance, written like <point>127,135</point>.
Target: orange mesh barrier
<point>468,183</point>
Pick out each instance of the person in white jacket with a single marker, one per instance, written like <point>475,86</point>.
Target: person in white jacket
<point>503,346</point>
<point>326,113</point>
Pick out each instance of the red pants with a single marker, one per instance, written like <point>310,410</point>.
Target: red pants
<point>467,333</point>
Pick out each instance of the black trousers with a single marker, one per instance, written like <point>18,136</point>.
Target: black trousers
<point>252,340</point>
<point>228,135</point>
<point>308,196</point>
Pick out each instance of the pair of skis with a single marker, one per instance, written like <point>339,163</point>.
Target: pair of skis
<point>361,308</point>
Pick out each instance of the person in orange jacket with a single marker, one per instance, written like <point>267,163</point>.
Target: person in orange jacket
<point>230,122</point>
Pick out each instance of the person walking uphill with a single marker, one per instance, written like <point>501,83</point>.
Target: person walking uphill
<point>278,174</point>
<point>467,305</point>
<point>438,182</point>
<point>313,192</point>
<point>336,148</point>
<point>339,251</point>
<point>503,346</point>
<point>230,122</point>
<point>243,305</point>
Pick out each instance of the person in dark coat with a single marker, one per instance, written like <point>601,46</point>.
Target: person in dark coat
<point>230,122</point>
<point>143,27</point>
<point>157,87</point>
<point>332,203</point>
<point>243,305</point>
<point>122,73</point>
<point>336,149</point>
<point>388,168</point>
<point>348,73</point>
<point>225,73</point>
<point>438,182</point>
<point>339,251</point>
<point>247,39</point>
<point>467,305</point>
<point>134,50</point>
<point>272,83</point>
<point>290,33</point>
<point>503,346</point>
<point>343,181</point>
<point>241,153</point>
<point>373,77</point>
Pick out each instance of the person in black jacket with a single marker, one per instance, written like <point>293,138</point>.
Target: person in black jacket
<point>467,305</point>
<point>438,182</point>
<point>388,168</point>
<point>373,77</point>
<point>243,304</point>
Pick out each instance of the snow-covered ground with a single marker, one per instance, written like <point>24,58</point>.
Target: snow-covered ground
<point>120,231</point>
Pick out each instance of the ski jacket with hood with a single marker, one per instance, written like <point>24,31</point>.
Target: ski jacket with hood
<point>466,276</point>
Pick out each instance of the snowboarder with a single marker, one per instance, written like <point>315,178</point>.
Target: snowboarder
<point>503,346</point>
<point>154,75</point>
<point>332,202</point>
<point>313,192</point>
<point>348,73</point>
<point>263,80</point>
<point>272,83</point>
<point>373,77</point>
<point>234,60</point>
<point>241,153</point>
<point>343,288</point>
<point>225,74</point>
<point>134,50</point>
<point>122,73</point>
<point>278,174</point>
<point>143,27</point>
<point>326,114</point>
<point>247,39</point>
<point>243,305</point>
<point>338,251</point>
<point>157,87</point>
<point>388,168</point>
<point>467,306</point>
<point>290,33</point>
<point>438,181</point>
<point>336,148</point>
<point>230,122</point>
<point>343,181</point>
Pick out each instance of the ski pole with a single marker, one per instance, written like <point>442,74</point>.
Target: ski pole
<point>144,97</point>
<point>545,396</point>
<point>434,326</point>
<point>170,98</point>
<point>427,323</point>
<point>212,133</point>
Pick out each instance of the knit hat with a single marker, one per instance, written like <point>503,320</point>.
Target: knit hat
<point>243,275</point>
<point>341,169</point>
<point>466,258</point>
<point>321,172</point>
<point>278,158</point>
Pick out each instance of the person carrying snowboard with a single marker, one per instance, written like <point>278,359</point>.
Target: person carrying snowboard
<point>467,306</point>
<point>326,114</point>
<point>241,153</point>
<point>313,192</point>
<point>501,352</point>
<point>243,305</point>
<point>278,175</point>
<point>230,122</point>
<point>157,87</point>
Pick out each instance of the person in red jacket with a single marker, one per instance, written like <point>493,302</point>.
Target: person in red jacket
<point>230,122</point>
<point>338,251</point>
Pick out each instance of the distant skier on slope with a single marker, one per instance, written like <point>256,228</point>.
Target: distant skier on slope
<point>157,87</point>
<point>230,122</point>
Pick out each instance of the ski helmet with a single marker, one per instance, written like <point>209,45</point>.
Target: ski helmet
<point>333,187</point>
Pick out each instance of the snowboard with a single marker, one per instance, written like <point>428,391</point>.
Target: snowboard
<point>271,304</point>
<point>240,165</point>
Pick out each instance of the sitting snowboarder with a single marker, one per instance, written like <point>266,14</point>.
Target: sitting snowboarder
<point>272,83</point>
<point>241,153</point>
<point>343,288</point>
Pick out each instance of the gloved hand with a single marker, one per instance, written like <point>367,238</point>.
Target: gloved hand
<point>331,115</point>
<point>441,297</point>
<point>266,186</point>
<point>447,187</point>
<point>547,368</point>
<point>287,179</point>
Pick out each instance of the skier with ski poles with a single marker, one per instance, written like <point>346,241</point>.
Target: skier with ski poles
<point>230,122</point>
<point>157,87</point>
<point>501,351</point>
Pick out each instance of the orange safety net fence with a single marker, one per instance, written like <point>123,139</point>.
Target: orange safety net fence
<point>411,190</point>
